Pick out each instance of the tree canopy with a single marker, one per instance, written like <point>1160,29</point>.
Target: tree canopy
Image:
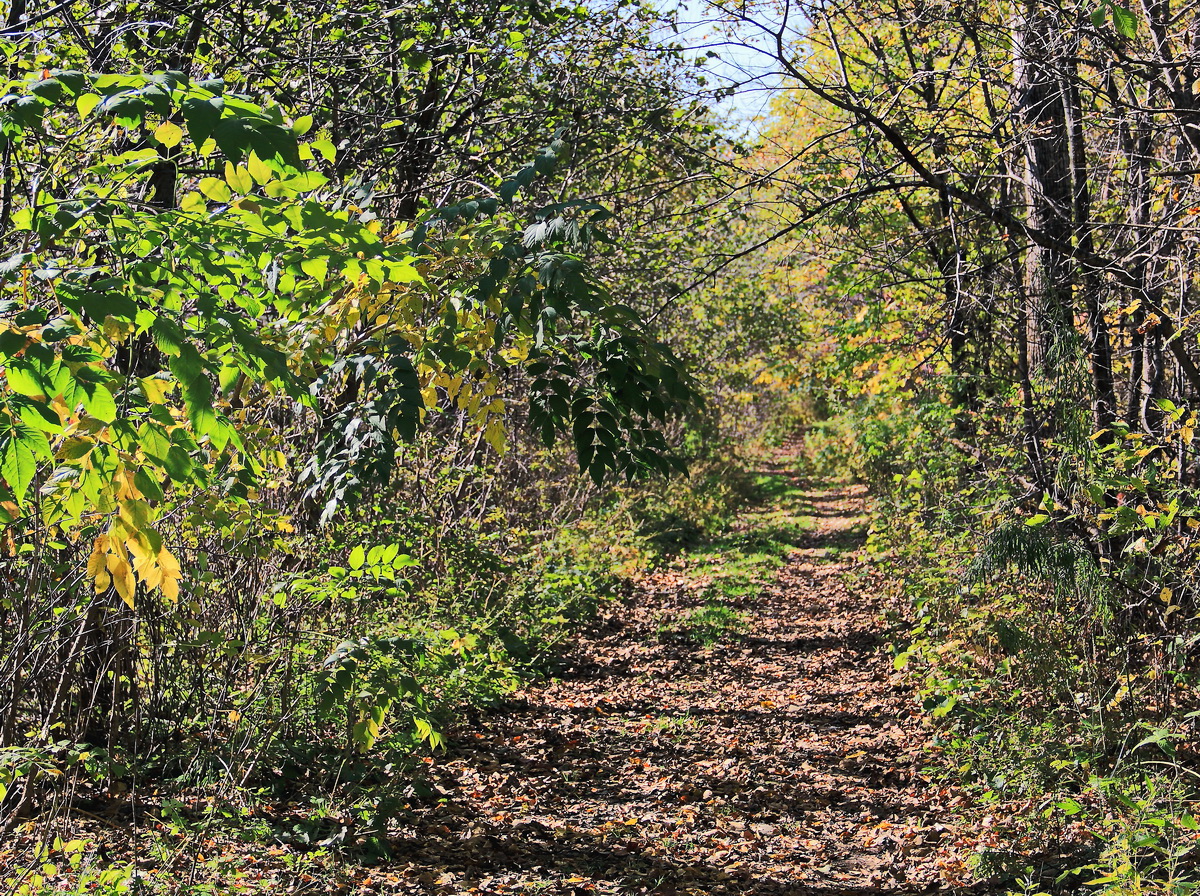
<point>352,352</point>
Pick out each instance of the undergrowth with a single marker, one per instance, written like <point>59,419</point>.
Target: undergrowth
<point>319,673</point>
<point>1068,709</point>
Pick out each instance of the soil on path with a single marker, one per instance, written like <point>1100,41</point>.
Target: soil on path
<point>783,760</point>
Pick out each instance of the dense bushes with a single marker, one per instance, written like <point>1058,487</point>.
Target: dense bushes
<point>285,358</point>
<point>1062,682</point>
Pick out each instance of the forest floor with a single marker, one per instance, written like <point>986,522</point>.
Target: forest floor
<point>734,727</point>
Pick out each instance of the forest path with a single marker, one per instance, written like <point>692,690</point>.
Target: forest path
<point>784,759</point>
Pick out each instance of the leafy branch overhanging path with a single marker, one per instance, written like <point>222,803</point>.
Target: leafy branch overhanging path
<point>783,760</point>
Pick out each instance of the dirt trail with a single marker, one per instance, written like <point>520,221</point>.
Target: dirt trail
<point>785,760</point>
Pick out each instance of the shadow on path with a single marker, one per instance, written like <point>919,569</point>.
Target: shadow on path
<point>785,760</point>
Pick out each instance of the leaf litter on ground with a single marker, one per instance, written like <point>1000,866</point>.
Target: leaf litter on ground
<point>784,756</point>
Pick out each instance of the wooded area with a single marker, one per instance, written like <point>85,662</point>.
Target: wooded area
<point>375,370</point>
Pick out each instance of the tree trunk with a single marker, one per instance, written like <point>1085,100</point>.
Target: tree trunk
<point>1045,146</point>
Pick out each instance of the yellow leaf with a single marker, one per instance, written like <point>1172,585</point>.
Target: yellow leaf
<point>96,563</point>
<point>193,203</point>
<point>258,169</point>
<point>170,566</point>
<point>496,437</point>
<point>135,514</point>
<point>168,134</point>
<point>103,580</point>
<point>125,590</point>
<point>122,579</point>
<point>76,447</point>
<point>238,178</point>
<point>154,389</point>
<point>216,190</point>
<point>126,490</point>
<point>1122,693</point>
<point>151,577</point>
<point>170,589</point>
<point>143,561</point>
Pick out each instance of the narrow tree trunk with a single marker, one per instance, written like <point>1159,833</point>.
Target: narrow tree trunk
<point>1098,346</point>
<point>1045,146</point>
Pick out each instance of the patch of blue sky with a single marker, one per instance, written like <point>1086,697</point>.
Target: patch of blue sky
<point>741,61</point>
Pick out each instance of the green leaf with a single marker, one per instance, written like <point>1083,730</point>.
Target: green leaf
<point>99,402</point>
<point>18,464</point>
<point>128,111</point>
<point>14,263</point>
<point>357,558</point>
<point>23,380</point>
<point>73,81</point>
<point>301,183</point>
<point>154,442</point>
<point>188,368</point>
<point>317,268</point>
<point>232,136</point>
<point>86,103</point>
<point>179,464</point>
<point>1125,20</point>
<point>58,329</point>
<point>187,364</point>
<point>49,89</point>
<point>193,203</point>
<point>944,708</point>
<point>197,401</point>
<point>147,484</point>
<point>38,415</point>
<point>215,189</point>
<point>100,299</point>
<point>326,148</point>
<point>168,336</point>
<point>201,117</point>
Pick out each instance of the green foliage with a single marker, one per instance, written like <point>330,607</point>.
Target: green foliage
<point>677,515</point>
<point>227,291</point>
<point>370,678</point>
<point>295,365</point>
<point>68,867</point>
<point>1021,644</point>
<point>705,625</point>
<point>1148,847</point>
<point>1124,21</point>
<point>829,449</point>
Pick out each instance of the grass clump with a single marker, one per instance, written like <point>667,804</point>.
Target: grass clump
<point>706,625</point>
